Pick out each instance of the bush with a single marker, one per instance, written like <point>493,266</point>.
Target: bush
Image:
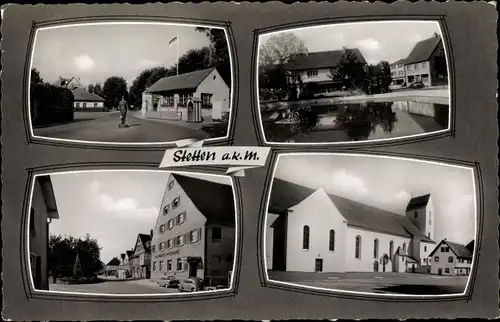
<point>50,104</point>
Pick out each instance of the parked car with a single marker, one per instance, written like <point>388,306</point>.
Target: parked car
<point>168,281</point>
<point>417,85</point>
<point>191,284</point>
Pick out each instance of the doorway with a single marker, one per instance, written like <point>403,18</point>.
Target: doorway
<point>440,271</point>
<point>190,111</point>
<point>375,266</point>
<point>319,265</point>
<point>192,268</point>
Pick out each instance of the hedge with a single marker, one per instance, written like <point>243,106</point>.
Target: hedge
<point>53,104</point>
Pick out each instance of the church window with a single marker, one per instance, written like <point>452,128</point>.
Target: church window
<point>357,251</point>
<point>332,240</point>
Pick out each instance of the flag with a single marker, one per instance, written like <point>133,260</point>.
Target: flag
<point>173,41</point>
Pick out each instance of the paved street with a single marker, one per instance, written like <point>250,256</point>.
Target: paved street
<point>103,127</point>
<point>115,287</point>
<point>396,283</point>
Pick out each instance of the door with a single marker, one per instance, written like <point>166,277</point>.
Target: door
<point>375,266</point>
<point>319,265</point>
<point>190,111</point>
<point>440,271</point>
<point>192,269</point>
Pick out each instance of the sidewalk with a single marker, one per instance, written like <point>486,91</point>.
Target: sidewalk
<point>189,125</point>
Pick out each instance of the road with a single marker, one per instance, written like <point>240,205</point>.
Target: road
<point>115,287</point>
<point>104,128</point>
<point>395,283</point>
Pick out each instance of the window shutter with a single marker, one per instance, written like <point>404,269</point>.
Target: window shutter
<point>199,233</point>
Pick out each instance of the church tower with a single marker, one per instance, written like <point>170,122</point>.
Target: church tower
<point>420,212</point>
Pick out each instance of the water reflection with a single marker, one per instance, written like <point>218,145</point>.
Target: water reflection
<point>353,121</point>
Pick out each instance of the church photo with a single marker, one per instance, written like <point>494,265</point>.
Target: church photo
<point>370,224</point>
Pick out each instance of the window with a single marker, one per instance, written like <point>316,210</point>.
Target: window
<point>450,259</point>
<point>181,240</point>
<point>425,248</point>
<point>216,234</point>
<point>416,66</point>
<point>84,105</point>
<point>175,203</point>
<point>430,215</point>
<point>162,229</point>
<point>179,264</point>
<point>447,249</point>
<point>400,73</point>
<point>96,105</point>
<point>416,214</point>
<point>161,266</point>
<point>77,105</point>
<point>154,248</point>
<point>194,235</point>
<point>184,97</point>
<point>357,251</point>
<point>442,249</point>
<point>181,218</point>
<point>375,248</point>
<point>166,209</point>
<point>169,100</point>
<point>332,241</point>
<point>430,222</point>
<point>154,266</point>
<point>32,220</point>
<point>391,249</point>
<point>170,185</point>
<point>305,238</point>
<point>206,100</point>
<point>410,67</point>
<point>170,243</point>
<point>169,265</point>
<point>447,270</point>
<point>170,224</point>
<point>162,246</point>
<point>436,259</point>
<point>312,73</point>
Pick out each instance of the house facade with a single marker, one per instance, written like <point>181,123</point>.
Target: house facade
<point>317,68</point>
<point>124,268</point>
<point>341,236</point>
<point>141,258</point>
<point>42,211</point>
<point>195,231</point>
<point>450,258</point>
<point>398,74</point>
<point>85,101</point>
<point>170,96</point>
<point>112,267</point>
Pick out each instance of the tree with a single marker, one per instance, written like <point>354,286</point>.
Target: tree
<point>195,59</point>
<point>349,70</point>
<point>98,89</point>
<point>219,52</point>
<point>440,66</point>
<point>90,88</point>
<point>114,88</point>
<point>139,86</point>
<point>377,78</point>
<point>279,48</point>
<point>274,79</point>
<point>35,76</point>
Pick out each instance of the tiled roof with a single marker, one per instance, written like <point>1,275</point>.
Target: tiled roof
<point>80,94</point>
<point>130,253</point>
<point>459,250</point>
<point>114,262</point>
<point>418,202</point>
<point>214,200</point>
<point>401,61</point>
<point>423,50</point>
<point>322,59</point>
<point>187,81</point>
<point>286,194</point>
<point>470,246</point>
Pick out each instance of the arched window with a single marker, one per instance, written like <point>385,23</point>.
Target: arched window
<point>357,251</point>
<point>375,248</point>
<point>391,249</point>
<point>332,241</point>
<point>305,238</point>
<point>404,247</point>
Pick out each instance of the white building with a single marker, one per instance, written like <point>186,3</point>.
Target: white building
<point>86,101</point>
<point>170,95</point>
<point>449,258</point>
<point>398,73</point>
<point>312,231</point>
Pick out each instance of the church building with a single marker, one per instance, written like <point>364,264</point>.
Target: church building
<point>310,230</point>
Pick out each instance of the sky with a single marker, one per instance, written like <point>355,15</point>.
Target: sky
<point>389,184</point>
<point>97,51</point>
<point>112,206</point>
<point>389,41</point>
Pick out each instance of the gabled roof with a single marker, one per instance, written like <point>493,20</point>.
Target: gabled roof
<point>114,262</point>
<point>418,202</point>
<point>80,94</point>
<point>214,200</point>
<point>130,253</point>
<point>322,59</point>
<point>145,238</point>
<point>401,61</point>
<point>187,81</point>
<point>286,194</point>
<point>423,50</point>
<point>470,246</point>
<point>459,250</point>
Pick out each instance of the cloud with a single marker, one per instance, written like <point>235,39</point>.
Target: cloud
<point>147,63</point>
<point>347,183</point>
<point>459,217</point>
<point>125,207</point>
<point>84,62</point>
<point>369,44</point>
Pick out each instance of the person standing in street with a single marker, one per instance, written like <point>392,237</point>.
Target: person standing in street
<point>123,107</point>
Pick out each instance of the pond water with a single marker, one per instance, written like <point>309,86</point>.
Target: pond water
<point>354,121</point>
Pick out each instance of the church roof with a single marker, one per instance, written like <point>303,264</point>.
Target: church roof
<point>285,194</point>
<point>214,200</point>
<point>418,202</point>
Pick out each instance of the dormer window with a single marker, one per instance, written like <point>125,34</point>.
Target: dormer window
<point>175,203</point>
<point>166,209</point>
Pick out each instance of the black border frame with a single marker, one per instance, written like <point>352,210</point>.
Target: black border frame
<point>131,146</point>
<point>259,129</point>
<point>139,298</point>
<point>338,293</point>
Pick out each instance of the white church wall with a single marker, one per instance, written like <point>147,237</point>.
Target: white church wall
<point>429,227</point>
<point>318,212</point>
<point>271,218</point>
<point>366,261</point>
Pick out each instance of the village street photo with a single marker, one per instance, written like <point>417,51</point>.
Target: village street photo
<point>133,83</point>
<point>353,82</point>
<point>132,232</point>
<point>370,224</point>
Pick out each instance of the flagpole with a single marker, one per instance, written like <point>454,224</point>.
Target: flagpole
<point>178,40</point>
